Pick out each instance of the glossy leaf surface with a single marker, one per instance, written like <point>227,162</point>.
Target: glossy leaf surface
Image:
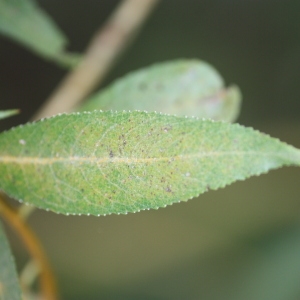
<point>181,87</point>
<point>118,162</point>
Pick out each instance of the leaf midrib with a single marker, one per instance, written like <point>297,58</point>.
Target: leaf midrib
<point>25,160</point>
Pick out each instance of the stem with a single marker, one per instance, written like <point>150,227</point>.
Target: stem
<point>105,47</point>
<point>47,282</point>
<point>28,275</point>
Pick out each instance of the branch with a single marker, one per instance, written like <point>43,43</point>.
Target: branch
<point>48,286</point>
<point>105,47</point>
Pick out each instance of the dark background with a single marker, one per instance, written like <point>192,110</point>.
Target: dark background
<point>242,242</point>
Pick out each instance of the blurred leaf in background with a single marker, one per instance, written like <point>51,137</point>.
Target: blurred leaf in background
<point>25,22</point>
<point>9,283</point>
<point>180,87</point>
<point>8,113</point>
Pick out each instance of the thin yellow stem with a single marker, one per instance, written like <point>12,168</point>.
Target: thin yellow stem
<point>105,47</point>
<point>47,281</point>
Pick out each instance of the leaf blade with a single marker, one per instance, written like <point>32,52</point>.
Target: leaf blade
<point>9,284</point>
<point>106,162</point>
<point>26,23</point>
<point>8,113</point>
<point>183,87</point>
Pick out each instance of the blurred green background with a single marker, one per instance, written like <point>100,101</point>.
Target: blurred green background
<point>241,242</point>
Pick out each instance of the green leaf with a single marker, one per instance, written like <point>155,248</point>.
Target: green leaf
<point>26,23</point>
<point>118,162</point>
<point>8,113</point>
<point>181,87</point>
<point>9,283</point>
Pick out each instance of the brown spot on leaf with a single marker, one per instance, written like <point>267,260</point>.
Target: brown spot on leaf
<point>168,189</point>
<point>111,154</point>
<point>167,128</point>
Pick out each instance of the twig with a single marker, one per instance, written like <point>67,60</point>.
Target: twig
<point>102,52</point>
<point>48,286</point>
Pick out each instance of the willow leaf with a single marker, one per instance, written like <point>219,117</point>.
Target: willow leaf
<point>8,113</point>
<point>26,23</point>
<point>182,87</point>
<point>9,284</point>
<point>118,162</point>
